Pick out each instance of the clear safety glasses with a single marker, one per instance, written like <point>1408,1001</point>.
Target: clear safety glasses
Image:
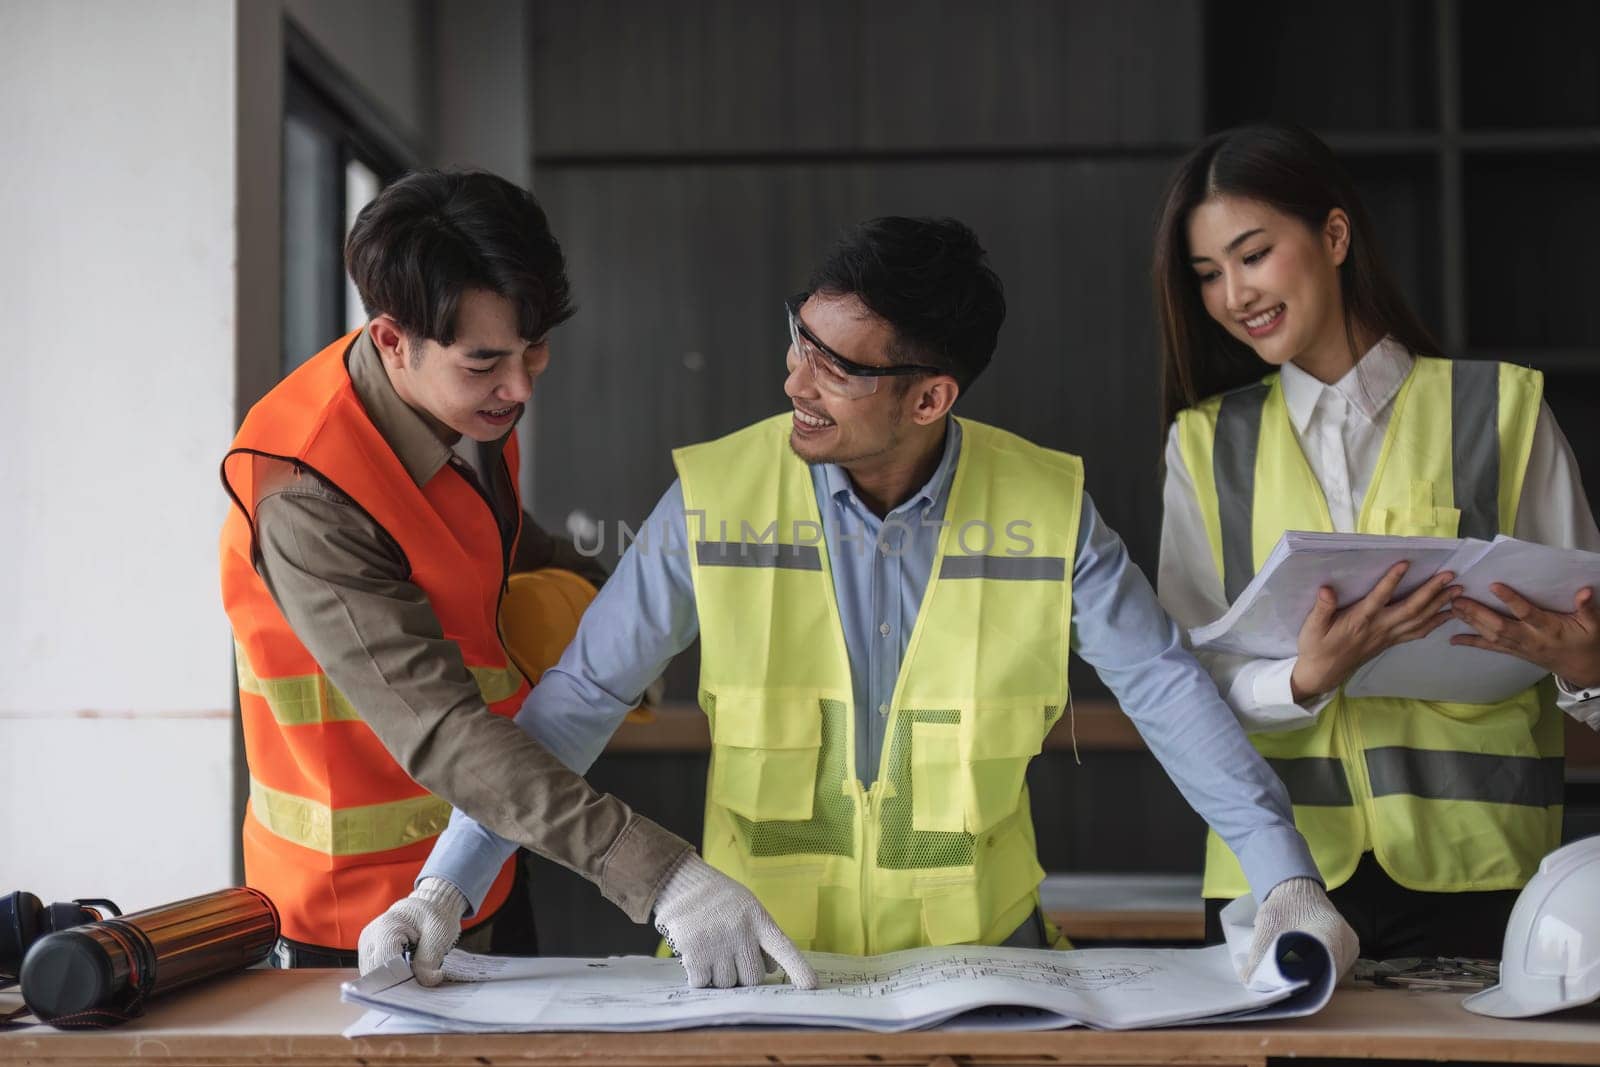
<point>833,373</point>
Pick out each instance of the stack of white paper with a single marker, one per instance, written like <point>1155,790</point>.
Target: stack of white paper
<point>1265,620</point>
<point>966,985</point>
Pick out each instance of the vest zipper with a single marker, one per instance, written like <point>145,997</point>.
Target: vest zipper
<point>868,806</point>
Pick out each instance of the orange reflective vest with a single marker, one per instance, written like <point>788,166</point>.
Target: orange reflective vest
<point>336,831</point>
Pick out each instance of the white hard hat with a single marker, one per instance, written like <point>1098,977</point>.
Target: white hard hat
<point>1551,958</point>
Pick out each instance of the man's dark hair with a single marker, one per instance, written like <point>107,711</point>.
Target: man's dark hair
<point>930,281</point>
<point>434,235</point>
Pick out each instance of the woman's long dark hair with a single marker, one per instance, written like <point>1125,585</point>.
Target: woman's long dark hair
<point>1290,169</point>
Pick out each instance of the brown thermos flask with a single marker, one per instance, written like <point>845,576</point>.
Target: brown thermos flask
<point>101,973</point>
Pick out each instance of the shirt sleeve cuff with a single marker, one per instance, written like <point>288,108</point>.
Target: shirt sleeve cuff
<point>1274,855</point>
<point>1264,696</point>
<point>469,857</point>
<point>637,864</point>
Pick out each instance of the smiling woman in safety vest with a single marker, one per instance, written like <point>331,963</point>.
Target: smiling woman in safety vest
<point>1424,817</point>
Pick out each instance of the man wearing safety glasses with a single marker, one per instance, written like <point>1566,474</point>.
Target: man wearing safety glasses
<point>885,597</point>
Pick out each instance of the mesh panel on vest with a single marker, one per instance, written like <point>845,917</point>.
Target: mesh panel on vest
<point>831,829</point>
<point>899,846</point>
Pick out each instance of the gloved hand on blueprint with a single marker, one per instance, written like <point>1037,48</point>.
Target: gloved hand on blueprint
<point>430,919</point>
<point>725,936</point>
<point>1301,904</point>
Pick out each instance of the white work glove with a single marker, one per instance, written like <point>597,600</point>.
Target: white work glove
<point>1302,905</point>
<point>430,919</point>
<point>725,936</point>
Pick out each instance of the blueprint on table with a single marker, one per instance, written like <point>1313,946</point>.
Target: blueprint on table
<point>1001,988</point>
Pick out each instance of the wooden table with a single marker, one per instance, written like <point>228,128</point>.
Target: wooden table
<point>280,1017</point>
<point>1125,907</point>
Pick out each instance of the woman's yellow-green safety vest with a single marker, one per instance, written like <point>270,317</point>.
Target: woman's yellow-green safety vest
<point>1449,797</point>
<point>940,850</point>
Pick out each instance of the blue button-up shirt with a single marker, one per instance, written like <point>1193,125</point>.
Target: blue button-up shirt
<point>646,614</point>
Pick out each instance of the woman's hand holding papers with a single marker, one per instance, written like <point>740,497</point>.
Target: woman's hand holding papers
<point>1567,644</point>
<point>1335,641</point>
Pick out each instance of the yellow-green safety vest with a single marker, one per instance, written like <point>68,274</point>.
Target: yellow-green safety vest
<point>940,850</point>
<point>1449,797</point>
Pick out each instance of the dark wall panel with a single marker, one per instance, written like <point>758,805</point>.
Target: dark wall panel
<point>728,76</point>
<point>1368,65</point>
<point>1546,71</point>
<point>1401,194</point>
<point>1531,282</point>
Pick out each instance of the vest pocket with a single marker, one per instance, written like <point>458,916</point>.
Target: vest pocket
<point>997,743</point>
<point>966,907</point>
<point>936,769</point>
<point>1514,717</point>
<point>764,751</point>
<point>1422,519</point>
<point>951,916</point>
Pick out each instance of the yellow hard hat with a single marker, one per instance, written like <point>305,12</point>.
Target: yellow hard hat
<point>539,618</point>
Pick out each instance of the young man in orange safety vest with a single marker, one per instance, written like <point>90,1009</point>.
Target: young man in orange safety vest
<point>377,520</point>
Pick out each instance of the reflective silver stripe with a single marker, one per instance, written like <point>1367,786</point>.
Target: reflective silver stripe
<point>1527,780</point>
<point>751,554</point>
<point>1475,446</point>
<point>1314,780</point>
<point>1005,568</point>
<point>1233,467</point>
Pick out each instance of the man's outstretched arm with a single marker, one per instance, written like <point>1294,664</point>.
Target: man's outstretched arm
<point>343,586</point>
<point>1121,631</point>
<point>643,616</point>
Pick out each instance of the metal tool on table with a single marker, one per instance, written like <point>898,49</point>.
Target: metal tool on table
<point>1428,973</point>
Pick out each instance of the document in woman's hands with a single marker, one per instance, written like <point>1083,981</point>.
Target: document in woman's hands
<point>1265,620</point>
